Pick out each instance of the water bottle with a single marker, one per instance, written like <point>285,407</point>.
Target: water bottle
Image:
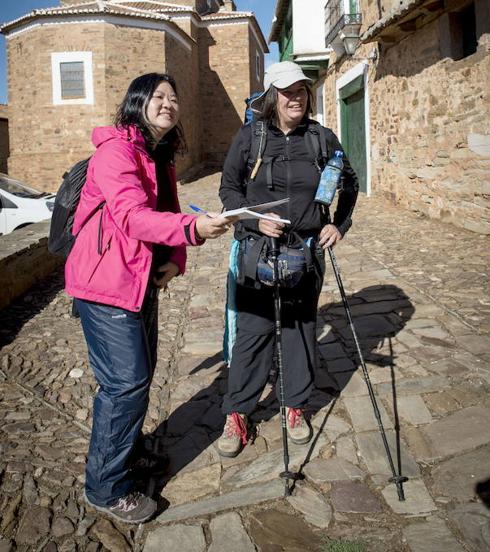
<point>329,179</point>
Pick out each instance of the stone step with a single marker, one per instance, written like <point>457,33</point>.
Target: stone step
<point>235,499</point>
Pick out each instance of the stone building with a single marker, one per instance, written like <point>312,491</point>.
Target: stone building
<point>4,137</point>
<point>406,89</point>
<point>69,66</point>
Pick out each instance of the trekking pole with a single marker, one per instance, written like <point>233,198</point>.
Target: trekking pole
<point>397,479</point>
<point>286,474</point>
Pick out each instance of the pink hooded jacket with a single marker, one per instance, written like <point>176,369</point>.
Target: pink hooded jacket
<point>111,259</point>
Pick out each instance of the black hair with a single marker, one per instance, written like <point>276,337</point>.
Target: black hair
<point>132,111</point>
<point>269,106</point>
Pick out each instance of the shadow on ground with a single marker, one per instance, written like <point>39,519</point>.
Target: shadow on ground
<point>20,311</point>
<point>379,313</point>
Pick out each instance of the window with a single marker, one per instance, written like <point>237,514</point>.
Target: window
<point>257,66</point>
<point>468,30</point>
<point>72,78</point>
<point>5,203</point>
<point>458,33</point>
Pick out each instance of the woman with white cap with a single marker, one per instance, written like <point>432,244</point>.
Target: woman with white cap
<point>288,168</point>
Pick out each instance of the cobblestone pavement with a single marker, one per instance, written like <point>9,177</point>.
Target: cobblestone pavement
<point>419,295</point>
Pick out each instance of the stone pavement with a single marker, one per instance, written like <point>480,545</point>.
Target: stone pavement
<point>419,295</point>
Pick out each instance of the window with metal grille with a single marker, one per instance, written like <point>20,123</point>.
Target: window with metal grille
<point>72,80</point>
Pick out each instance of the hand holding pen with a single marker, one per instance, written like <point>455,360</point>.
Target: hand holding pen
<point>210,225</point>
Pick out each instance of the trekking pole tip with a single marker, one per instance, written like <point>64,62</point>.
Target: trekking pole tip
<point>398,481</point>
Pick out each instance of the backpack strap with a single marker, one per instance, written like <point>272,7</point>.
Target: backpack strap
<point>316,142</point>
<point>268,171</point>
<point>257,147</point>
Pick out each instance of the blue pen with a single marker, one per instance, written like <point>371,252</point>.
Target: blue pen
<point>197,209</point>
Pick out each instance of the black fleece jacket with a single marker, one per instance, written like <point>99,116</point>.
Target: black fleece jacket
<point>295,174</point>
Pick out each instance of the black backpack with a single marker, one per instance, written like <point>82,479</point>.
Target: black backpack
<point>61,239</point>
<point>316,142</point>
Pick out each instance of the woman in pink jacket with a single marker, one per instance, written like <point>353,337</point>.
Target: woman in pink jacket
<point>131,241</point>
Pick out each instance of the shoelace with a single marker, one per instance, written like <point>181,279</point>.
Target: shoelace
<point>127,503</point>
<point>295,417</point>
<point>235,425</point>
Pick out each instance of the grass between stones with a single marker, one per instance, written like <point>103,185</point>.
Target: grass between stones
<point>335,545</point>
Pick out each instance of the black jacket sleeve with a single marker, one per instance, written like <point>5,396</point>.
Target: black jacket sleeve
<point>232,191</point>
<point>348,191</point>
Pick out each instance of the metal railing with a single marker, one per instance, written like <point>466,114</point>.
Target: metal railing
<point>336,18</point>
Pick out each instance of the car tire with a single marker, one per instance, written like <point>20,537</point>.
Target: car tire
<point>22,226</point>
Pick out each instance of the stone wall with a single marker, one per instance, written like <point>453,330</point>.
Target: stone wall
<point>4,138</point>
<point>24,260</point>
<point>430,136</point>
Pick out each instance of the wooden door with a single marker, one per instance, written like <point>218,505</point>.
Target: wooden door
<point>353,127</point>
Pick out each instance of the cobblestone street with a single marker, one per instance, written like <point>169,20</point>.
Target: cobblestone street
<point>419,292</point>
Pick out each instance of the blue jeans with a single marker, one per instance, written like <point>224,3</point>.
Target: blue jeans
<point>122,353</point>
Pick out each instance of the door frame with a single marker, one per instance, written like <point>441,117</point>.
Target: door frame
<point>320,102</point>
<point>346,78</point>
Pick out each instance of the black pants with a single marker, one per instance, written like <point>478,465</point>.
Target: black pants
<point>254,346</point>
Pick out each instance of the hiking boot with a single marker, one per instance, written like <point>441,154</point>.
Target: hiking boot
<point>234,436</point>
<point>131,508</point>
<point>299,430</point>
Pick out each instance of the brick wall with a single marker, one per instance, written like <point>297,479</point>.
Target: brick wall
<point>256,82</point>
<point>44,138</point>
<point>224,85</point>
<point>129,52</point>
<point>214,77</point>
<point>61,133</point>
<point>183,65</point>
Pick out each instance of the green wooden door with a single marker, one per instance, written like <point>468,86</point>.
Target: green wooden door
<point>353,127</point>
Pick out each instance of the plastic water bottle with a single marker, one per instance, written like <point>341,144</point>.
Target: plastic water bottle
<point>329,179</point>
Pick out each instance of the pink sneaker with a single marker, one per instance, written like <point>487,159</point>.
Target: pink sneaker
<point>234,436</point>
<point>299,430</point>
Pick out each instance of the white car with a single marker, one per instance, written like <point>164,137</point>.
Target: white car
<point>21,205</point>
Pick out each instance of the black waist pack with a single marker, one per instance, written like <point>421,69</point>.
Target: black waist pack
<point>255,267</point>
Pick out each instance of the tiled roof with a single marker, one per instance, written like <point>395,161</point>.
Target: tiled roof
<point>154,5</point>
<point>86,9</point>
<point>226,15</point>
<point>147,9</point>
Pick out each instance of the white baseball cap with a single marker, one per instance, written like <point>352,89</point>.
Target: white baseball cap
<point>283,74</point>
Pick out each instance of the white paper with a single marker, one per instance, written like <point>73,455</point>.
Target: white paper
<point>256,211</point>
<point>244,214</point>
<point>261,207</point>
